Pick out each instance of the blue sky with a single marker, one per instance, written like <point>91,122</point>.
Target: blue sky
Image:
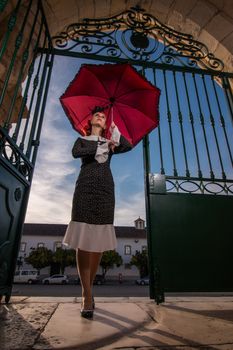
<point>56,170</point>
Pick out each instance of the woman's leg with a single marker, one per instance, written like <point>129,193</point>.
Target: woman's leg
<point>95,258</point>
<point>83,266</point>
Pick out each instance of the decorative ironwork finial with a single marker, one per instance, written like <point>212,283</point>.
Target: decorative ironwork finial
<point>137,8</point>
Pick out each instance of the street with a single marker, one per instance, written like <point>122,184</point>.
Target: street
<point>114,289</point>
<point>110,289</point>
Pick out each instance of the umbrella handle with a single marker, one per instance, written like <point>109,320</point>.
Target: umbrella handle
<point>111,115</point>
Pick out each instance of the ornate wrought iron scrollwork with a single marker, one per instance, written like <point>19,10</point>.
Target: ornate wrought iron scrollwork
<point>138,36</point>
<point>13,155</point>
<point>197,186</point>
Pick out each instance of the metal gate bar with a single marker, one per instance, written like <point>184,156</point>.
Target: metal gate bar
<point>10,27</point>
<point>222,119</point>
<point>20,74</point>
<point>203,129</point>
<point>191,119</point>
<point>18,43</point>
<point>25,95</point>
<point>38,31</point>
<point>21,118</point>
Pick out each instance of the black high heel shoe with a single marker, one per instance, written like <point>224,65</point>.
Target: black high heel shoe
<point>87,313</point>
<point>93,302</point>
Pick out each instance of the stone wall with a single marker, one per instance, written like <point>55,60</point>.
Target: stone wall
<point>209,21</point>
<point>9,53</point>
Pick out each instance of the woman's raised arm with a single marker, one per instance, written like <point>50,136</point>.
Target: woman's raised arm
<point>124,145</point>
<point>84,148</point>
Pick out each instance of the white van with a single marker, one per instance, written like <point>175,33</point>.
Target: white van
<point>26,276</point>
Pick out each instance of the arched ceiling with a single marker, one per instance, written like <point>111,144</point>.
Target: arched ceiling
<point>209,21</point>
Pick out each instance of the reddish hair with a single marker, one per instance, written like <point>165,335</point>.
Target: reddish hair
<point>88,127</point>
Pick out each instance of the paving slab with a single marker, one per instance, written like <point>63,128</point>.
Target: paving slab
<point>119,323</point>
<point>50,299</point>
<point>183,326</point>
<point>23,324</point>
<point>110,322</point>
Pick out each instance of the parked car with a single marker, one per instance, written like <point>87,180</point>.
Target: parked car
<point>74,280</point>
<point>143,281</point>
<point>99,279</point>
<point>55,279</point>
<point>26,276</point>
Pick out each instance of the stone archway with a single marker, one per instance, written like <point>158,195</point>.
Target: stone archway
<point>210,22</point>
<point>58,16</point>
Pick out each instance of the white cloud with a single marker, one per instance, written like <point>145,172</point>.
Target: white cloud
<point>49,201</point>
<point>122,178</point>
<point>128,211</point>
<point>56,172</point>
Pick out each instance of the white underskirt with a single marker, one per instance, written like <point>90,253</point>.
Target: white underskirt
<point>90,237</point>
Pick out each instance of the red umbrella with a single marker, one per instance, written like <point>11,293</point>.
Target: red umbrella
<point>128,97</point>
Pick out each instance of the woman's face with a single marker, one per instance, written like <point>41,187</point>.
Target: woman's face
<point>99,118</point>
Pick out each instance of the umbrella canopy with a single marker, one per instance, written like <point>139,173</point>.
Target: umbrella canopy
<point>128,98</point>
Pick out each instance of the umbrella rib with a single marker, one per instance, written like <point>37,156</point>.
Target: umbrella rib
<point>122,118</point>
<point>103,98</point>
<point>93,96</point>
<point>133,108</point>
<point>99,82</point>
<point>90,111</point>
<point>119,82</point>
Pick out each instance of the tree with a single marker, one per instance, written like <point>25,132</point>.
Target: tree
<point>64,257</point>
<point>109,258</point>
<point>39,257</point>
<point>19,262</point>
<point>140,259</point>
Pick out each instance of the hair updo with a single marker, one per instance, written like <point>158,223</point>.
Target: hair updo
<point>88,126</point>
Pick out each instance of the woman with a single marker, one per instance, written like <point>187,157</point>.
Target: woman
<point>91,230</point>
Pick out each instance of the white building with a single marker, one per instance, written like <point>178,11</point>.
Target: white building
<point>129,238</point>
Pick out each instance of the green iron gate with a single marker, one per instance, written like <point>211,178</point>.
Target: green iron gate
<point>190,192</point>
<point>24,82</point>
<point>187,159</point>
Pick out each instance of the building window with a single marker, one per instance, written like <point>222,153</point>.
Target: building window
<point>144,247</point>
<point>57,245</point>
<point>40,244</point>
<point>23,246</point>
<point>139,224</point>
<point>127,249</point>
<point>128,266</point>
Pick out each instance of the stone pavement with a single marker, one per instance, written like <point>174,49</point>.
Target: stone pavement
<point>184,322</point>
